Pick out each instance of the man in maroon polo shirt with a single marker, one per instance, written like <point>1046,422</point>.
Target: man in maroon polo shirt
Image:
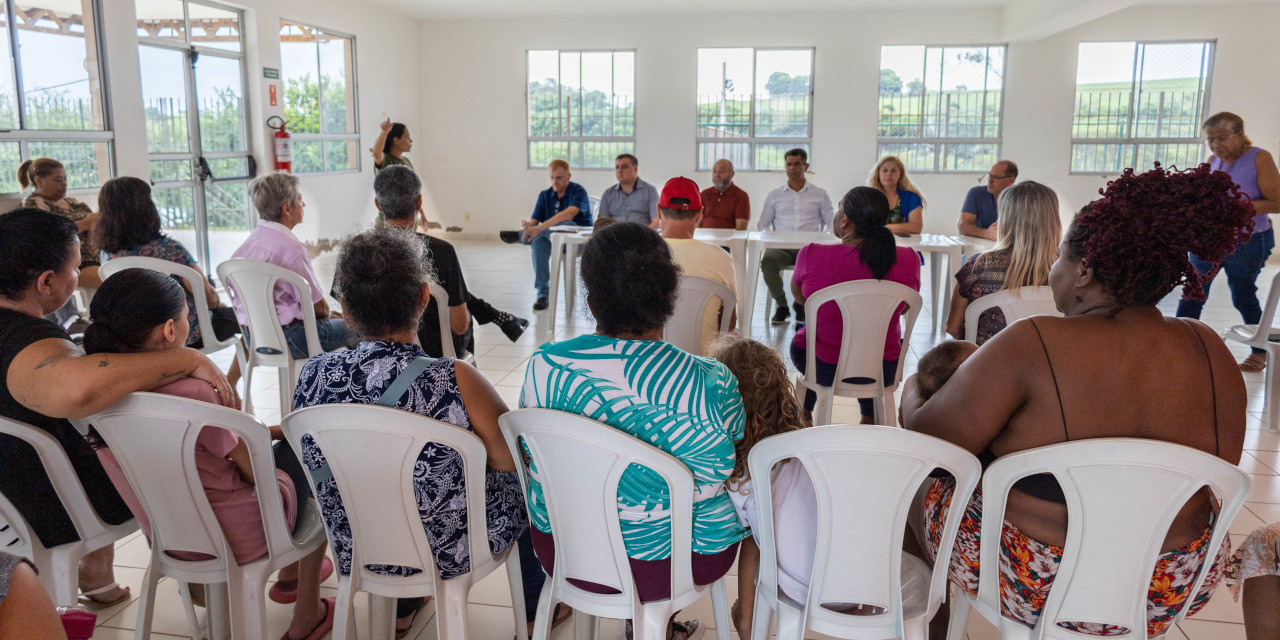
<point>724,205</point>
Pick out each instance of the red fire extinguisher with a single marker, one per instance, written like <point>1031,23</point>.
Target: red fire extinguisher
<point>283,158</point>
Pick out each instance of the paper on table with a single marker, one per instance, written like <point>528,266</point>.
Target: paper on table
<point>569,227</point>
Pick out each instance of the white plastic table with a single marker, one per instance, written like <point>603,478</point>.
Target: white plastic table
<point>934,245</point>
<point>564,260</point>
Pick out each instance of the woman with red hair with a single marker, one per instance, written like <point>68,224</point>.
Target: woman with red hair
<point>1114,366</point>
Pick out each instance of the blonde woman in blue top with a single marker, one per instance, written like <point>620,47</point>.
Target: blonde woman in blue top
<point>625,376</point>
<point>906,203</point>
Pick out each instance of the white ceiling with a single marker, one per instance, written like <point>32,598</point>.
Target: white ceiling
<point>472,9</point>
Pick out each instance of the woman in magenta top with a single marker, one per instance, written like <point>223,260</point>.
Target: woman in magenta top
<point>1255,175</point>
<point>867,251</point>
<point>139,310</point>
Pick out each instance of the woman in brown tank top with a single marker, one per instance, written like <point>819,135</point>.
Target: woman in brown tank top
<point>1114,366</point>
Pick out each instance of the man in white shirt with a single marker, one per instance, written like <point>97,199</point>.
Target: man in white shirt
<point>679,213</point>
<point>797,205</point>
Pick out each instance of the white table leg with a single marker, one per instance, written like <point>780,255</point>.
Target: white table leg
<point>738,250</point>
<point>935,273</point>
<point>751,270</point>
<point>557,248</point>
<point>570,278</point>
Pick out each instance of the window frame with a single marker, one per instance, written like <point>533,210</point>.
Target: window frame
<point>1131,142</point>
<point>24,137</point>
<point>939,141</point>
<point>528,113</point>
<point>296,137</point>
<point>752,139</point>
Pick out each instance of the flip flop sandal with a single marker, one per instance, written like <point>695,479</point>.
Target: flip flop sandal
<point>325,625</point>
<point>287,592</point>
<point>89,595</point>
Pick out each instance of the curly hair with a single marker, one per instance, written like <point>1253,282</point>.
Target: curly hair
<point>376,303</point>
<point>630,278</point>
<point>768,398</point>
<point>1136,237</point>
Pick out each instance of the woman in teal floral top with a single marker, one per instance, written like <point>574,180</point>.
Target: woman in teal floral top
<point>626,377</point>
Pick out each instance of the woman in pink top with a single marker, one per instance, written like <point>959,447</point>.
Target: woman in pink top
<point>139,310</point>
<point>867,251</point>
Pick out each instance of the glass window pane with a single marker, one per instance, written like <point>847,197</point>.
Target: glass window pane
<point>10,158</point>
<point>901,91</point>
<point>161,19</point>
<point>214,28</point>
<point>571,92</point>
<point>170,170</point>
<point>1170,87</point>
<point>337,91</point>
<point>341,155</point>
<point>1104,84</point>
<point>917,157</point>
<point>308,156</point>
<point>1101,157</point>
<point>164,99</point>
<point>600,155</point>
<point>739,153</point>
<point>969,157</point>
<point>88,164</point>
<point>624,93</point>
<point>227,211</point>
<point>219,89</point>
<point>8,89</point>
<point>228,168</point>
<point>300,73</point>
<point>772,157</point>
<point>59,60</point>
<point>544,94</point>
<point>724,93</point>
<point>177,207</point>
<point>542,152</point>
<point>782,93</point>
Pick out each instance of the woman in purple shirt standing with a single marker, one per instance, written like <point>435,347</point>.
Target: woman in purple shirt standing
<point>1254,172</point>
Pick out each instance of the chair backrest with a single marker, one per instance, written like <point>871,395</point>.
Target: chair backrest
<point>684,327</point>
<point>442,312</point>
<point>1262,333</point>
<point>579,462</point>
<point>372,452</point>
<point>1113,537</point>
<point>153,437</point>
<point>1016,304</point>
<point>253,283</point>
<point>65,483</point>
<point>190,277</point>
<point>866,308</point>
<point>595,205</point>
<point>864,479</point>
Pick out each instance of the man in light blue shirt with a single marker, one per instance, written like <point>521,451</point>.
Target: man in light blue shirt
<point>632,199</point>
<point>797,205</point>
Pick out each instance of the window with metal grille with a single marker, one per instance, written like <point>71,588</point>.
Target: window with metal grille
<point>52,98</point>
<point>1137,103</point>
<point>940,107</point>
<point>317,69</point>
<point>581,107</point>
<point>753,106</point>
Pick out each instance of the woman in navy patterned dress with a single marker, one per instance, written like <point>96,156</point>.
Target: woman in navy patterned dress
<point>381,280</point>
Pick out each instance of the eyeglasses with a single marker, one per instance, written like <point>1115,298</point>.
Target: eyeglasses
<point>1219,139</point>
<point>992,177</point>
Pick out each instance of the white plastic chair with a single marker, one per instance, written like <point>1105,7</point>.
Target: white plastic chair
<point>580,462</point>
<point>253,283</point>
<point>59,566</point>
<point>860,528</point>
<point>1016,304</point>
<point>1113,537</point>
<point>153,436</point>
<point>446,330</point>
<point>195,284</point>
<point>372,452</point>
<point>684,328</point>
<point>867,308</point>
<point>1261,336</point>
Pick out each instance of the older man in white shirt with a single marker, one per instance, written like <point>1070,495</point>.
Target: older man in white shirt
<point>797,205</point>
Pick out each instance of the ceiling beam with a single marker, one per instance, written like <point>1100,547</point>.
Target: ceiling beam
<point>1025,20</point>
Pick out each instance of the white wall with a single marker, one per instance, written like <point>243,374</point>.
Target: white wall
<point>470,149</point>
<point>387,60</point>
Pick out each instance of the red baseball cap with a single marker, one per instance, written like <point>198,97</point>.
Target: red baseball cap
<point>681,193</point>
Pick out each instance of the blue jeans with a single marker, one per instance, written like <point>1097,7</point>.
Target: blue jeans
<point>541,262</point>
<point>332,331</point>
<point>1242,266</point>
<point>826,375</point>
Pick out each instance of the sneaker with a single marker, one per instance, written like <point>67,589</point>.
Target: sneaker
<point>513,327</point>
<point>510,237</point>
<point>799,312</point>
<point>541,304</point>
<point>781,315</point>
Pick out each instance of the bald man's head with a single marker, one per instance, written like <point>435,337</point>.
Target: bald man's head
<point>722,174</point>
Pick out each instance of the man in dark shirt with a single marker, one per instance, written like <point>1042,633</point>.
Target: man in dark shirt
<point>564,203</point>
<point>978,216</point>
<point>398,195</point>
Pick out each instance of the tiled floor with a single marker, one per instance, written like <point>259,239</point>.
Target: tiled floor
<point>501,274</point>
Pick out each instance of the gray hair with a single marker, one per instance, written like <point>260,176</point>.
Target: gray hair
<point>271,192</point>
<point>396,189</point>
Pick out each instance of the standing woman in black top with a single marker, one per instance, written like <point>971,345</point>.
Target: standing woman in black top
<point>45,379</point>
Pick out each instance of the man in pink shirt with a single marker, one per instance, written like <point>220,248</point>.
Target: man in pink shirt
<point>280,206</point>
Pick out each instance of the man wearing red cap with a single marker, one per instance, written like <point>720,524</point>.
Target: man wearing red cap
<point>679,212</point>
